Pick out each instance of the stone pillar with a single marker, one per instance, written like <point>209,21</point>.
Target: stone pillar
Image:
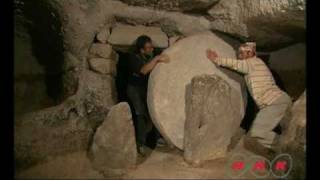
<point>211,119</point>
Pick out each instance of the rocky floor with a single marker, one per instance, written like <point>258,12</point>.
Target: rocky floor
<point>160,163</point>
<point>74,165</point>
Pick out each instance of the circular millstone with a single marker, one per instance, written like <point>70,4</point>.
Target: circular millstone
<point>168,83</point>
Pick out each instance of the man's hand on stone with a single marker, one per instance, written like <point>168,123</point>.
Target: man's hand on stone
<point>212,56</point>
<point>163,58</point>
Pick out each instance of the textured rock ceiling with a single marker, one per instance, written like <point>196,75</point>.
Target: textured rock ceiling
<point>174,5</point>
<point>271,23</point>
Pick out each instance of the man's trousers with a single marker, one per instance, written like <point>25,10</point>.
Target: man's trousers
<point>268,118</point>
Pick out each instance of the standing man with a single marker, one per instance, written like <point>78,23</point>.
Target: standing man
<point>141,63</point>
<point>271,100</point>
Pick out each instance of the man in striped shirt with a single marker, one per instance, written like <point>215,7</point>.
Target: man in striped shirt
<point>271,100</point>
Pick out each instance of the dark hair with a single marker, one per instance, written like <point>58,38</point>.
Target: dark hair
<point>141,41</point>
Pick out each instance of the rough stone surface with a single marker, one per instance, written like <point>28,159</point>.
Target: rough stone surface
<point>102,50</point>
<point>103,35</point>
<point>174,5</point>
<point>273,24</point>
<point>100,94</point>
<point>290,64</point>
<point>293,138</point>
<point>124,35</point>
<point>168,83</point>
<point>78,23</point>
<point>71,75</point>
<point>211,119</point>
<point>114,145</point>
<point>49,132</point>
<point>67,127</point>
<point>297,123</point>
<point>270,23</point>
<point>172,23</point>
<point>104,66</point>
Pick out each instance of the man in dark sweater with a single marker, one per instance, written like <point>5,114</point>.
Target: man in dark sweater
<point>141,63</point>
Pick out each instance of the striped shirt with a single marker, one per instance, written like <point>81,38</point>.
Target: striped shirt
<point>259,80</point>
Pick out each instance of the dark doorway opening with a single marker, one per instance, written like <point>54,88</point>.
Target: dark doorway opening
<point>122,76</point>
<point>47,44</point>
<point>38,56</point>
<point>121,86</point>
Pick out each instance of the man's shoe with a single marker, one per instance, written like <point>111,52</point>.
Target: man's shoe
<point>161,142</point>
<point>142,150</point>
<point>251,144</point>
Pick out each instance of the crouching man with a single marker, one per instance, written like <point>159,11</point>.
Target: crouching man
<point>271,100</point>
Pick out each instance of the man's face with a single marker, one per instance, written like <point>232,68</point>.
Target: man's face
<point>148,48</point>
<point>244,54</point>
